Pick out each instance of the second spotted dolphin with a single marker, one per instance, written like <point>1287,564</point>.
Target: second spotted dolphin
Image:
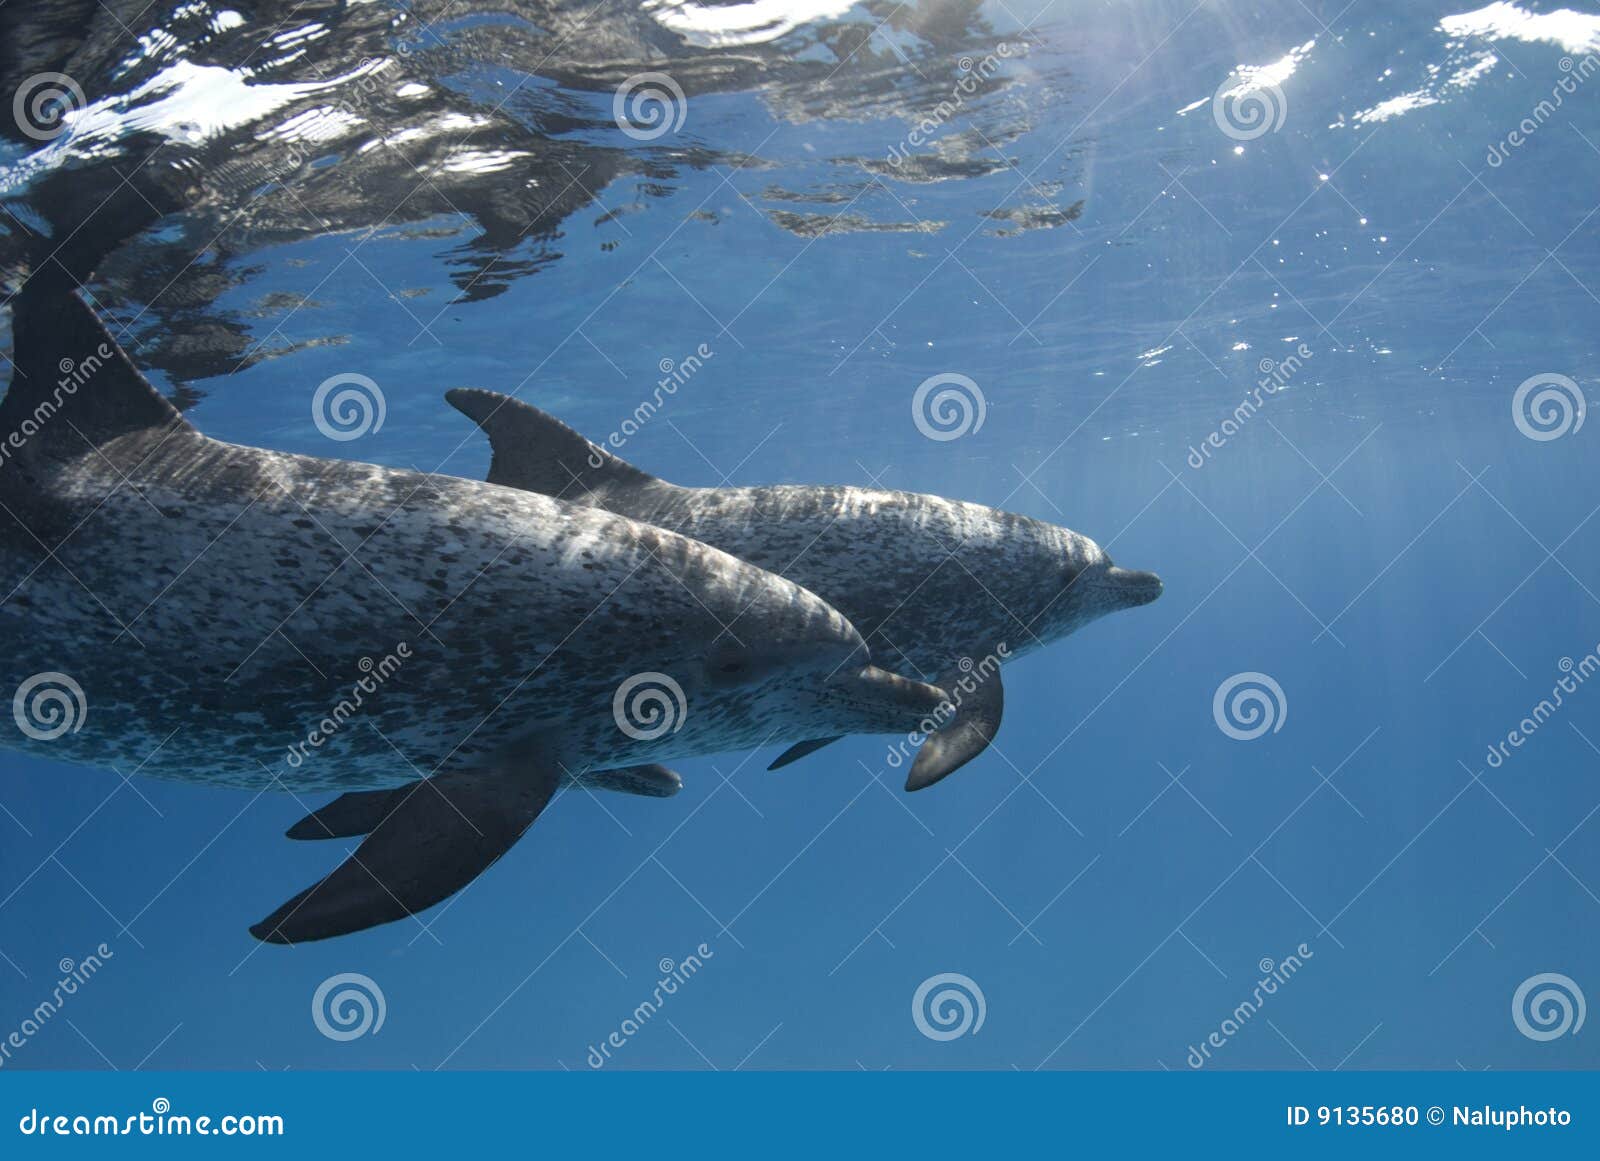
<point>931,582</point>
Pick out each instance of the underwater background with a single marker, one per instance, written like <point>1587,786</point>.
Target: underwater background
<point>1116,223</point>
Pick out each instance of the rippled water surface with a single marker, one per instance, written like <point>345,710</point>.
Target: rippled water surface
<point>1295,304</point>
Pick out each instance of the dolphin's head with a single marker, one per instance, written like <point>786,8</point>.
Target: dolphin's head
<point>1056,581</point>
<point>798,671</point>
<point>753,658</point>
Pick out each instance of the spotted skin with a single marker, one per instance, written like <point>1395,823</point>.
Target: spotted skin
<point>927,580</point>
<point>216,602</point>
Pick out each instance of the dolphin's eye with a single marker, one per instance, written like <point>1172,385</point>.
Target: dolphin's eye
<point>734,666</point>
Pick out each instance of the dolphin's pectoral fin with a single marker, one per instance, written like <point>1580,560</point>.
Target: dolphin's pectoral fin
<point>965,736</point>
<point>440,835</point>
<point>536,452</point>
<point>351,814</point>
<point>651,781</point>
<point>799,750</point>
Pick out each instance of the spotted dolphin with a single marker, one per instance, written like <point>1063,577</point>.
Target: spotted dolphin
<point>951,589</point>
<point>194,610</point>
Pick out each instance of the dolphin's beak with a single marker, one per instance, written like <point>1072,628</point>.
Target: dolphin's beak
<point>1136,586</point>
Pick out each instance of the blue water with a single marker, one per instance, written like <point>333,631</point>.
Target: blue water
<point>1379,538</point>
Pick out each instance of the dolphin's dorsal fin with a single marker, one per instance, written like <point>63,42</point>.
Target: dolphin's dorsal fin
<point>73,386</point>
<point>536,452</point>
